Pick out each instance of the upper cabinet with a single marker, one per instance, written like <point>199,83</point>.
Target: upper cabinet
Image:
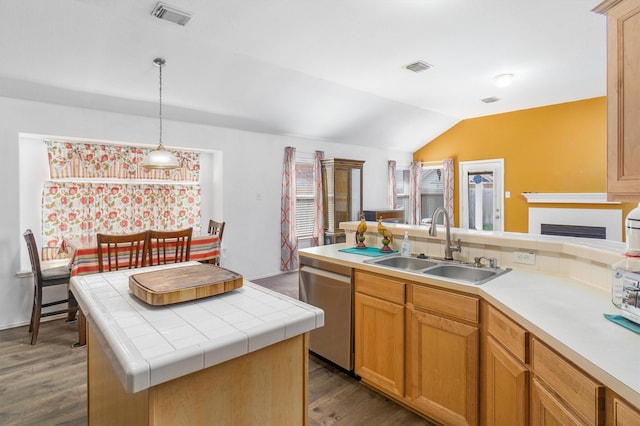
<point>342,192</point>
<point>623,98</point>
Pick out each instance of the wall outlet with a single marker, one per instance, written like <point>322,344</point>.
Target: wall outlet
<point>524,257</point>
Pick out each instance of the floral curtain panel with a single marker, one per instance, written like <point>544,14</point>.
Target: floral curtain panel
<point>288,236</point>
<point>103,161</point>
<point>77,209</point>
<point>391,184</point>
<point>318,223</point>
<point>448,172</point>
<point>415,169</point>
<point>109,194</point>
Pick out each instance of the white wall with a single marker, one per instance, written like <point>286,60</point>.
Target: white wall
<point>250,164</point>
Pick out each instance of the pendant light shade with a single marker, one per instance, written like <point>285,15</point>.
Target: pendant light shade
<point>160,158</point>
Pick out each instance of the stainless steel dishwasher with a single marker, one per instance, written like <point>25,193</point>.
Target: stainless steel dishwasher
<point>329,287</point>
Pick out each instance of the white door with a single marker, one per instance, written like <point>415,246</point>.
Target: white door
<point>482,195</point>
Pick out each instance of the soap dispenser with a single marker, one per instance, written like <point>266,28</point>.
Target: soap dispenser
<point>405,249</point>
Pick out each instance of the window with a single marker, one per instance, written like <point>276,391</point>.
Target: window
<point>402,191</point>
<point>305,193</point>
<point>431,190</point>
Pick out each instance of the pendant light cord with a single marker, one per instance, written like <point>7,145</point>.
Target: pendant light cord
<point>160,65</point>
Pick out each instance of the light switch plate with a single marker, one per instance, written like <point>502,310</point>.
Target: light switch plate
<point>524,257</point>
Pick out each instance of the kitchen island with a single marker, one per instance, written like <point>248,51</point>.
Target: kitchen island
<point>235,358</point>
<point>543,323</point>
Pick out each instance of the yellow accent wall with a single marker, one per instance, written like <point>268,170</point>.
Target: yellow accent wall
<point>556,148</point>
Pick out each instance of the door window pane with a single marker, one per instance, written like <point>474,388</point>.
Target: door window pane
<point>481,200</point>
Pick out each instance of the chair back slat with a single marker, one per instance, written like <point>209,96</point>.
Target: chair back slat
<point>117,252</point>
<point>169,246</point>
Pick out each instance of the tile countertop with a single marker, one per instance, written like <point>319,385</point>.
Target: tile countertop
<point>149,345</point>
<point>564,313</point>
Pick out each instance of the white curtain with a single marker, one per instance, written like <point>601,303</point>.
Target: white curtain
<point>288,238</point>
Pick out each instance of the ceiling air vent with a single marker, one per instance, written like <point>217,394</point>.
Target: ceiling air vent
<point>490,100</point>
<point>171,14</point>
<point>418,66</point>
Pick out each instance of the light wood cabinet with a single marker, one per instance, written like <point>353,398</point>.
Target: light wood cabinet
<point>268,386</point>
<point>443,356</point>
<point>622,414</point>
<point>380,332</point>
<point>507,387</point>
<point>575,394</point>
<point>548,410</point>
<point>420,345</point>
<point>506,397</point>
<point>623,102</point>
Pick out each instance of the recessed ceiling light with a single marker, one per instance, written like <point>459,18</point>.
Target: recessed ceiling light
<point>418,66</point>
<point>502,80</point>
<point>490,100</point>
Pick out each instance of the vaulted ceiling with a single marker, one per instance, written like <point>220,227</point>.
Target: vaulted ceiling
<point>332,70</point>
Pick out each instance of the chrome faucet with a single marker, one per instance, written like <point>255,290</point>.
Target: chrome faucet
<point>477,261</point>
<point>448,248</point>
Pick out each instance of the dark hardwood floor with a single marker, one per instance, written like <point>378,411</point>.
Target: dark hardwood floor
<point>46,384</point>
<point>43,384</point>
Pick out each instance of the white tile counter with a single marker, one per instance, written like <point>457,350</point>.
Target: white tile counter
<point>149,345</point>
<point>564,312</point>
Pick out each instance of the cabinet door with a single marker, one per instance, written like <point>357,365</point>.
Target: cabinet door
<point>443,368</point>
<point>623,414</point>
<point>506,388</point>
<point>547,410</point>
<point>379,343</point>
<point>623,102</point>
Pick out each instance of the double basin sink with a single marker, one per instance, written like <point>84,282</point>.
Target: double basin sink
<point>447,269</point>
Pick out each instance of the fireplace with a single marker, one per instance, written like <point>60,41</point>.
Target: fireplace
<point>597,232</point>
<point>585,223</point>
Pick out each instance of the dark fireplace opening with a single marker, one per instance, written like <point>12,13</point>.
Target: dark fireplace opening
<point>598,232</point>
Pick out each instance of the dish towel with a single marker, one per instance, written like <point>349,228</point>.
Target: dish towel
<point>369,251</point>
<point>620,320</point>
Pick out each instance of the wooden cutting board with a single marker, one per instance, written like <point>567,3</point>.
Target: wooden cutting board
<point>177,285</point>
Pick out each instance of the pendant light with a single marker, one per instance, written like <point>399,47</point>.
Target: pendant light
<point>160,158</point>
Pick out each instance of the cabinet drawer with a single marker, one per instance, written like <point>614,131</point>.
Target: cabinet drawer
<point>508,333</point>
<point>380,287</point>
<point>455,305</point>
<point>579,391</point>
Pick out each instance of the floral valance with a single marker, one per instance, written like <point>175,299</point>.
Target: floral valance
<point>104,161</point>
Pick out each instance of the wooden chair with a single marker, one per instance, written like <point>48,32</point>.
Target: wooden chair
<point>116,252</point>
<point>169,246</point>
<point>47,278</point>
<point>217,229</point>
<point>121,251</point>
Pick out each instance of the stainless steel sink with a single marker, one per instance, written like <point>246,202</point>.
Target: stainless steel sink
<point>440,268</point>
<point>406,263</point>
<point>469,274</point>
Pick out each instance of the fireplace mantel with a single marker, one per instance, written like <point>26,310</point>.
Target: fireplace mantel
<point>568,197</point>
